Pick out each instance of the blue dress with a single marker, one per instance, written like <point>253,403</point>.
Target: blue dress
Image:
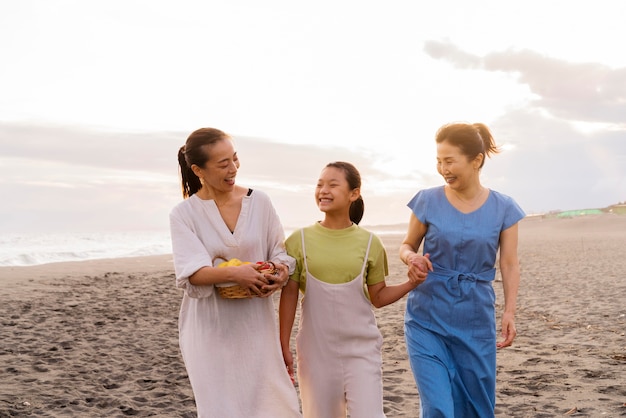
<point>450,325</point>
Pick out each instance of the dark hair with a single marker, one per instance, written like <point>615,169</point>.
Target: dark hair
<point>353,177</point>
<point>472,139</point>
<point>194,152</point>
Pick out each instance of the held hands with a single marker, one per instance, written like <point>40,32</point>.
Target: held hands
<point>419,266</point>
<point>508,330</point>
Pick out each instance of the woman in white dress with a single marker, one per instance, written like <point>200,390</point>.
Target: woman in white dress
<point>230,347</point>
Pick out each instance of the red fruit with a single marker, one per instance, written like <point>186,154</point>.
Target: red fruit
<point>265,265</point>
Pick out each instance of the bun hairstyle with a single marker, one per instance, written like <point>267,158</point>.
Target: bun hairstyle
<point>353,177</point>
<point>471,138</point>
<point>196,151</point>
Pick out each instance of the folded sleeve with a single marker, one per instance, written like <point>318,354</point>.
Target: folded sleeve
<point>189,256</point>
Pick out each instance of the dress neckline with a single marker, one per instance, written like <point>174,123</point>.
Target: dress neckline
<point>445,196</point>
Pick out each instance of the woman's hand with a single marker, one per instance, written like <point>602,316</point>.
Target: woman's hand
<point>276,281</point>
<point>419,266</point>
<point>508,330</point>
<point>252,279</point>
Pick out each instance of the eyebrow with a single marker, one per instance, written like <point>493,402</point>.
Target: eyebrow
<point>227,158</point>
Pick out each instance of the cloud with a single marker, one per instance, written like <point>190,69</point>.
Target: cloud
<point>452,54</point>
<point>554,166</point>
<point>73,178</point>
<point>126,154</point>
<point>90,147</point>
<point>589,92</point>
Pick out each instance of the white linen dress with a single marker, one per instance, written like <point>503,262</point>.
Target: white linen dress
<point>231,347</point>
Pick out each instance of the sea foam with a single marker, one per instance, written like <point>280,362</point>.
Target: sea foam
<point>33,249</point>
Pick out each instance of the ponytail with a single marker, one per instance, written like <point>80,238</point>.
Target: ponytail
<point>489,144</point>
<point>190,183</point>
<point>357,208</point>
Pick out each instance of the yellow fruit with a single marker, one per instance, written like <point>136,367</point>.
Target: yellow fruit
<point>233,262</point>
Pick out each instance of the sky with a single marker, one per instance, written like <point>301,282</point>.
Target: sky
<point>96,98</point>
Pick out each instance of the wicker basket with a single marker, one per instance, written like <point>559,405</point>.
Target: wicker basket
<point>234,291</point>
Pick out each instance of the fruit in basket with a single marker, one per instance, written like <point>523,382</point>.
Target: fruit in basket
<point>267,267</point>
<point>235,291</point>
<point>233,262</point>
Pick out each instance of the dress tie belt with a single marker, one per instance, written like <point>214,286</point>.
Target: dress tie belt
<point>454,278</point>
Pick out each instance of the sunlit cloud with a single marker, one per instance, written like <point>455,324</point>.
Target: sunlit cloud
<point>585,91</point>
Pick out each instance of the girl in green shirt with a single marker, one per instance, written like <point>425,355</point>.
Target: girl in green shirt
<point>340,270</point>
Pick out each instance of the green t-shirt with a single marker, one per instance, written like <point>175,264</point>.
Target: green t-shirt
<point>336,255</point>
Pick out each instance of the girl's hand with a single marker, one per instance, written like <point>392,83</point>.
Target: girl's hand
<point>288,358</point>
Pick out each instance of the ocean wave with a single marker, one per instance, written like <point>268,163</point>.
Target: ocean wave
<point>36,249</point>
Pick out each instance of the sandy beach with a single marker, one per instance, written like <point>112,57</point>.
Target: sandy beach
<point>99,338</point>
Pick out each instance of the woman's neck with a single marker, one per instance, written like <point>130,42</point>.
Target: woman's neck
<point>220,198</point>
<point>471,196</point>
<point>470,192</point>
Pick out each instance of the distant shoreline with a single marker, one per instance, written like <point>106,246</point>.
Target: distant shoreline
<point>132,246</point>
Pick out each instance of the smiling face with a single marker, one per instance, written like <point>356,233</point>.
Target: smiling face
<point>219,172</point>
<point>456,168</point>
<point>333,194</point>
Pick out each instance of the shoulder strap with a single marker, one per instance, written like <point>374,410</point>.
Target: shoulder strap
<point>306,267</point>
<point>367,254</point>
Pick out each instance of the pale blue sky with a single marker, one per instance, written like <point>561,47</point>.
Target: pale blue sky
<point>96,97</point>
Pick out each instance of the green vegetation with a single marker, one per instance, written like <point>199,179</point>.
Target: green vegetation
<point>617,209</point>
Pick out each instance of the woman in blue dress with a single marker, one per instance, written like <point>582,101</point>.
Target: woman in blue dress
<point>450,317</point>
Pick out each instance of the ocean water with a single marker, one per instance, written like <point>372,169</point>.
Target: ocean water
<point>34,249</point>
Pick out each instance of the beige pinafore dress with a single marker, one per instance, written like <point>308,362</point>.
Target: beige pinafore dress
<point>339,349</point>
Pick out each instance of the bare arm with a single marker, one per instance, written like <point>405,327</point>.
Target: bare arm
<point>383,295</point>
<point>510,270</point>
<point>286,316</point>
